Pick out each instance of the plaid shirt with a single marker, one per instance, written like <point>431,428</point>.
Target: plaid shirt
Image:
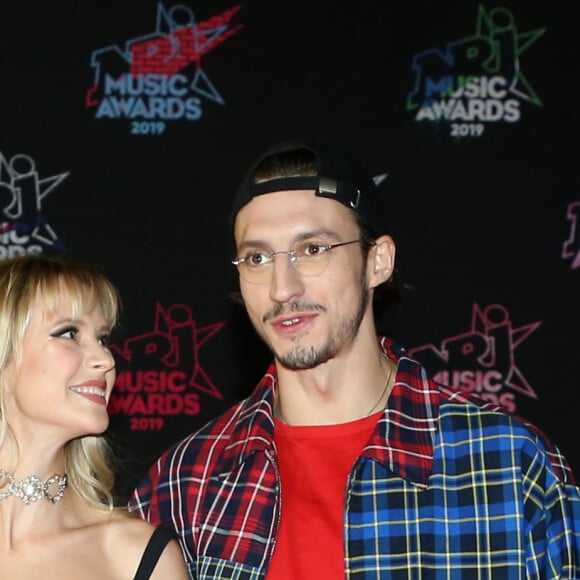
<point>446,488</point>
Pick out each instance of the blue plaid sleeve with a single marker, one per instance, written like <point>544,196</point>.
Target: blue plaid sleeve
<point>552,510</point>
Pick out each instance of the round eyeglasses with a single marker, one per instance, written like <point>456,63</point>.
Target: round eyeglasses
<point>308,258</point>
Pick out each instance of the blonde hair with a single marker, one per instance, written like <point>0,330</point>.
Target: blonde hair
<point>22,281</point>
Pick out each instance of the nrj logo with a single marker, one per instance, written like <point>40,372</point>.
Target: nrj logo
<point>159,77</point>
<point>23,227</point>
<point>482,360</point>
<point>571,247</point>
<point>476,80</point>
<point>160,373</point>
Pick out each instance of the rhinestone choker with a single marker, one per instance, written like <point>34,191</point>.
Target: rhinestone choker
<point>31,488</point>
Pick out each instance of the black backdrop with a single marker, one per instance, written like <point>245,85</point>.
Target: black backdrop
<point>126,126</point>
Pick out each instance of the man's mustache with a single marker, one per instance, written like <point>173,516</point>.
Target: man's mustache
<point>284,309</point>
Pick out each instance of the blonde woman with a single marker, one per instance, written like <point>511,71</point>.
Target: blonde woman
<point>57,517</point>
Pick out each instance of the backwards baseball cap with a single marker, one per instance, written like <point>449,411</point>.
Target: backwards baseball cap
<point>338,176</point>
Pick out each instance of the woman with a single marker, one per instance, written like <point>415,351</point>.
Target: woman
<point>57,518</point>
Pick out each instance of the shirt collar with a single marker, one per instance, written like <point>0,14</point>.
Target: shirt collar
<point>405,435</point>
<point>254,427</point>
<point>402,441</point>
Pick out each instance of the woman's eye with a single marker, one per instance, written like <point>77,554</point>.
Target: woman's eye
<point>70,332</point>
<point>105,340</point>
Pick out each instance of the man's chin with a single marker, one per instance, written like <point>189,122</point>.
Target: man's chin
<point>303,358</point>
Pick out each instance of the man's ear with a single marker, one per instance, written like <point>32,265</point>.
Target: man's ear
<point>381,261</point>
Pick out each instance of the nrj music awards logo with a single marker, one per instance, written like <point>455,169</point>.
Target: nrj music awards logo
<point>23,195</point>
<point>160,373</point>
<point>482,360</point>
<point>571,247</point>
<point>159,77</point>
<point>477,80</point>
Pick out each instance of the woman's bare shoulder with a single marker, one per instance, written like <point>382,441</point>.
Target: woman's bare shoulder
<point>129,536</point>
<point>126,529</point>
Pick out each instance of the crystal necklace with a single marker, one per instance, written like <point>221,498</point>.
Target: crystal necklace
<point>32,488</point>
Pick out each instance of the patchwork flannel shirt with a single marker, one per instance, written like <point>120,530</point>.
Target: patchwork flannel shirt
<point>447,487</point>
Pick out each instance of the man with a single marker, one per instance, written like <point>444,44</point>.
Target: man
<point>347,460</point>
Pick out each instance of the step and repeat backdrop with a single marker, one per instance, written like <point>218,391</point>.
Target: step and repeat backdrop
<point>126,126</point>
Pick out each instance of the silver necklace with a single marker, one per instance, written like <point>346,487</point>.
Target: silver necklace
<point>31,488</point>
<point>278,410</point>
<point>387,384</point>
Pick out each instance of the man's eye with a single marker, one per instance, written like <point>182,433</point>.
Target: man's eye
<point>256,259</point>
<point>313,249</point>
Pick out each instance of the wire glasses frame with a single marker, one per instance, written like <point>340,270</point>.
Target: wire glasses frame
<point>308,258</point>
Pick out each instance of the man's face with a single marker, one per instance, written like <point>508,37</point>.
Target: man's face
<point>305,319</point>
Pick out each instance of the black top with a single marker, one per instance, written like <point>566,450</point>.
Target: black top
<point>159,539</point>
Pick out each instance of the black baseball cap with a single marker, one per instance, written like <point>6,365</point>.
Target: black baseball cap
<point>339,176</point>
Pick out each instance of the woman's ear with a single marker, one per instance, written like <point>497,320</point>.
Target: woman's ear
<point>381,261</point>
<point>7,374</point>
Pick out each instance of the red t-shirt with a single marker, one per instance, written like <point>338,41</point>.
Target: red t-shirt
<point>315,462</point>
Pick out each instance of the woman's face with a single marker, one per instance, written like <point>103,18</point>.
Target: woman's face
<point>66,373</point>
